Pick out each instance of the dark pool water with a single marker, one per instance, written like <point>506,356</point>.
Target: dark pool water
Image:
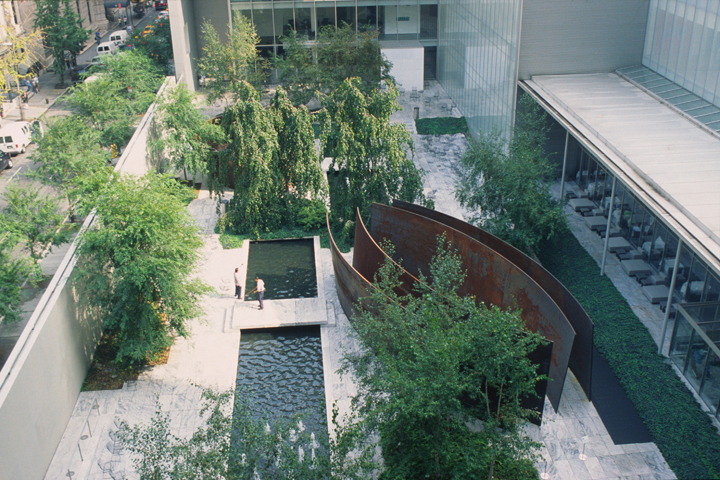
<point>281,371</point>
<point>286,266</point>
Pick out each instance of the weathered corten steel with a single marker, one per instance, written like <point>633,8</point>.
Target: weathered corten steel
<point>581,354</point>
<point>368,257</point>
<point>350,285</point>
<point>491,278</point>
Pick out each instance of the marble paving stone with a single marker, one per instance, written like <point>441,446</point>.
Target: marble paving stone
<point>595,469</point>
<point>609,466</point>
<point>563,469</point>
<point>579,469</point>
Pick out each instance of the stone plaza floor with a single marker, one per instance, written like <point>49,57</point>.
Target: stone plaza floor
<point>90,450</point>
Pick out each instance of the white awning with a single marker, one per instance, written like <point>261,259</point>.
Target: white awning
<point>670,163</point>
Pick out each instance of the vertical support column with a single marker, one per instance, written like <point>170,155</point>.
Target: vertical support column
<point>670,296</point>
<point>562,179</point>
<point>607,228</point>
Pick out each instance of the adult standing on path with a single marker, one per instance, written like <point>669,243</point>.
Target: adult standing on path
<point>260,289</point>
<point>238,285</point>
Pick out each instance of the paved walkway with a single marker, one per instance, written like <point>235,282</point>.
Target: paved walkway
<point>209,358</point>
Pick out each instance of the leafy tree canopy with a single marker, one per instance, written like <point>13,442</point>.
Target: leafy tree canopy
<point>156,45</point>
<point>62,30</point>
<point>369,152</point>
<point>14,270</point>
<point>36,220</point>
<point>508,183</point>
<point>441,379</point>
<point>270,161</point>
<point>339,54</point>
<point>125,86</point>
<point>227,65</point>
<point>70,159</point>
<point>138,263</point>
<point>185,136</point>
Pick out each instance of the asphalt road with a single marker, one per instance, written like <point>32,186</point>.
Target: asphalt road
<point>22,164</point>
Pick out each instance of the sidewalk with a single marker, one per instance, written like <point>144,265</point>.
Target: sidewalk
<point>39,103</point>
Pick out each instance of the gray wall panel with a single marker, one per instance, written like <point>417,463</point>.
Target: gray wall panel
<point>589,36</point>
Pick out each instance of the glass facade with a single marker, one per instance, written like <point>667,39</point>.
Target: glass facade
<point>681,43</point>
<point>694,350</point>
<point>478,60</point>
<point>393,20</point>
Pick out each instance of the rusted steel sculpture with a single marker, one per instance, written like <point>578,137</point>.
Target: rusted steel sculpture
<point>581,354</point>
<point>491,278</point>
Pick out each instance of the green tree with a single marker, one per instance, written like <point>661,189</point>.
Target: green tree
<point>62,31</point>
<point>184,134</point>
<point>297,160</point>
<point>226,66</point>
<point>21,52</point>
<point>36,220</point>
<point>441,379</point>
<point>508,183</point>
<point>14,270</point>
<point>250,161</point>
<point>339,54</point>
<point>70,160</point>
<point>125,87</point>
<point>156,45</point>
<point>138,264</point>
<point>369,152</point>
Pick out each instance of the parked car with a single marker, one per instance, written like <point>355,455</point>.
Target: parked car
<point>15,137</point>
<point>161,5</point>
<point>106,48</point>
<point>118,37</point>
<point>162,15</point>
<point>5,161</point>
<point>79,73</point>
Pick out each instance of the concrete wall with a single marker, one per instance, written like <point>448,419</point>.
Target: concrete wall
<point>408,59</point>
<point>589,36</point>
<point>186,20</point>
<point>41,380</point>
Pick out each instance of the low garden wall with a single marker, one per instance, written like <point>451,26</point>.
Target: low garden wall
<point>41,380</point>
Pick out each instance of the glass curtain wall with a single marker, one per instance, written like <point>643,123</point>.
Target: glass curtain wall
<point>478,60</point>
<point>392,19</point>
<point>681,43</point>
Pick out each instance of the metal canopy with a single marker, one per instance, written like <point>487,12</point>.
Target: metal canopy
<point>671,163</point>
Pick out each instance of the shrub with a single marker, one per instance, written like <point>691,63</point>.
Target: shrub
<point>441,125</point>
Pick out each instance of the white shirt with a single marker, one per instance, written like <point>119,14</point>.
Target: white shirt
<point>260,286</point>
<point>237,278</point>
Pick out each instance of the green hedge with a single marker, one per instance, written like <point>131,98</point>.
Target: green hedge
<point>681,430</point>
<point>441,125</point>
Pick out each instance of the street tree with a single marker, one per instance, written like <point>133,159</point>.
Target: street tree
<point>441,378</point>
<point>125,86</point>
<point>22,52</point>
<point>369,153</point>
<point>62,30</point>
<point>70,160</point>
<point>227,65</point>
<point>507,182</point>
<point>37,221</point>
<point>14,271</point>
<point>156,44</point>
<point>138,265</point>
<point>185,136</point>
<point>337,54</point>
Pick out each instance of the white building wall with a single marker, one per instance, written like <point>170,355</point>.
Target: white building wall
<point>408,63</point>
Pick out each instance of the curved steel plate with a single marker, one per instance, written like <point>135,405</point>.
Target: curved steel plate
<point>581,354</point>
<point>491,278</point>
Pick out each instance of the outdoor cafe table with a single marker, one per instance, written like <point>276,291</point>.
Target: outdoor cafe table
<point>581,204</point>
<point>596,223</point>
<point>636,268</point>
<point>618,244</point>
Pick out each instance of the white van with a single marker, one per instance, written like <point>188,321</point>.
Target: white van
<point>118,37</point>
<point>15,137</point>
<point>106,47</point>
